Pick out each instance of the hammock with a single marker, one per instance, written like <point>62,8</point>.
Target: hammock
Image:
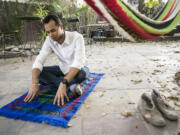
<point>132,24</point>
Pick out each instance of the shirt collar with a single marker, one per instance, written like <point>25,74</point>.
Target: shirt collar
<point>67,39</point>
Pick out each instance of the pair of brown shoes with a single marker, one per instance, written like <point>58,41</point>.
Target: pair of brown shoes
<point>153,107</point>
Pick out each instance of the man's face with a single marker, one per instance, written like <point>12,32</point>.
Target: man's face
<point>54,31</point>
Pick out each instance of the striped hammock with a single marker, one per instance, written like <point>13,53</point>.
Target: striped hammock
<point>133,25</point>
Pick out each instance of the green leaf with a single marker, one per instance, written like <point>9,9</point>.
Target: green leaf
<point>76,13</point>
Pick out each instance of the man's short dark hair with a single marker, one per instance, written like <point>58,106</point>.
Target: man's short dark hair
<point>55,18</point>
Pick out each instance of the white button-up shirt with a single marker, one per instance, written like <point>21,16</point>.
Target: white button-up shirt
<point>71,53</point>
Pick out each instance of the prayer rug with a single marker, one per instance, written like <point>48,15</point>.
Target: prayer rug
<point>42,110</point>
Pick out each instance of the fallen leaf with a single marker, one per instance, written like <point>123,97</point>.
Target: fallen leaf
<point>137,81</point>
<point>175,88</point>
<point>69,125</point>
<point>129,113</point>
<point>174,98</point>
<point>160,65</point>
<point>177,75</point>
<point>178,82</point>
<point>111,46</point>
<point>119,73</point>
<point>153,73</point>
<point>173,46</point>
<point>176,51</point>
<point>131,103</point>
<point>15,61</point>
<point>21,51</point>
<point>126,114</point>
<point>177,103</point>
<point>156,70</point>
<point>159,81</point>
<point>147,116</point>
<point>136,72</point>
<point>154,59</point>
<point>87,106</point>
<point>43,122</point>
<point>103,114</point>
<point>163,86</point>
<point>101,95</point>
<point>107,102</point>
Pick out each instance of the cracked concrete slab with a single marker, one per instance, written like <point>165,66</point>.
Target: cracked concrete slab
<point>130,70</point>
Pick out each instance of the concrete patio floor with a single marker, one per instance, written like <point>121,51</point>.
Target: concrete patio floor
<point>130,70</point>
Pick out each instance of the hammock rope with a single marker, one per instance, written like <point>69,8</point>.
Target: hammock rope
<point>132,24</point>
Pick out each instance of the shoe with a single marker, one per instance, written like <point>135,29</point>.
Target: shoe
<point>177,78</point>
<point>149,112</point>
<point>166,110</point>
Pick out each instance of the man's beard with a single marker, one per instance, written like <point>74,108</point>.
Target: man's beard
<point>60,37</point>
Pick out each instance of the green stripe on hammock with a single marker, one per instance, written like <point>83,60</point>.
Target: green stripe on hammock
<point>146,27</point>
<point>147,19</point>
<point>166,10</point>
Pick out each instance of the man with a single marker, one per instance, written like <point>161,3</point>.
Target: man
<point>70,50</point>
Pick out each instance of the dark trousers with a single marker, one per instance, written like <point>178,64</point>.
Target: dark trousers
<point>52,75</point>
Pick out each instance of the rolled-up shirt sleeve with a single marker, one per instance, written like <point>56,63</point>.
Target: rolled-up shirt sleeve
<point>43,54</point>
<point>80,58</point>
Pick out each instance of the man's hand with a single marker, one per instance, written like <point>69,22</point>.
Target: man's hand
<point>60,94</point>
<point>32,93</point>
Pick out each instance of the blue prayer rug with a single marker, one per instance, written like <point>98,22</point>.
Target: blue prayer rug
<point>42,110</point>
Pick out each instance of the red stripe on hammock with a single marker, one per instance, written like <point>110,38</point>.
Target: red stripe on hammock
<point>169,11</point>
<point>126,20</point>
<point>92,4</point>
